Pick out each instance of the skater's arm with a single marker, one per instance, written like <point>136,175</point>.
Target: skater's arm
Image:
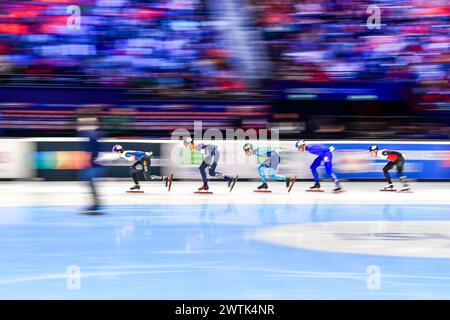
<point>129,155</point>
<point>132,155</point>
<point>213,155</point>
<point>199,147</point>
<point>318,149</point>
<point>390,155</point>
<point>314,149</point>
<point>203,148</point>
<point>105,157</point>
<point>263,152</point>
<point>390,152</point>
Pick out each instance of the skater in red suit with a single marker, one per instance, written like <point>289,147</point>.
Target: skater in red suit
<point>395,158</point>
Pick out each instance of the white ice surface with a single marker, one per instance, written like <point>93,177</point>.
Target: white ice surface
<point>114,192</point>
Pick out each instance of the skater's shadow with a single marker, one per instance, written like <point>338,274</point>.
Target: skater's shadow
<point>267,214</point>
<point>321,213</point>
<point>209,220</point>
<point>392,213</point>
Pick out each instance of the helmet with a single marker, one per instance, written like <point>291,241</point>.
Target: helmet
<point>299,143</point>
<point>117,148</point>
<point>373,148</point>
<point>187,141</point>
<point>248,146</point>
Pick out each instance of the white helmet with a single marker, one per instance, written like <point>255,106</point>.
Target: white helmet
<point>117,148</point>
<point>187,141</point>
<point>299,143</point>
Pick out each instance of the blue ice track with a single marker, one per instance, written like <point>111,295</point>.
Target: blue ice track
<point>202,252</point>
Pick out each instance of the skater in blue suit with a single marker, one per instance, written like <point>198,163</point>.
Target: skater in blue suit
<point>270,165</point>
<point>325,157</point>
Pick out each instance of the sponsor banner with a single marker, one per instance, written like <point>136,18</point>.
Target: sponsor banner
<point>62,158</point>
<point>65,159</point>
<point>15,160</point>
<point>351,160</point>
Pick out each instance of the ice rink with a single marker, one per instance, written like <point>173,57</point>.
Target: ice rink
<point>360,244</point>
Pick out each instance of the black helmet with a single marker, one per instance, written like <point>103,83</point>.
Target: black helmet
<point>373,148</point>
<point>248,146</point>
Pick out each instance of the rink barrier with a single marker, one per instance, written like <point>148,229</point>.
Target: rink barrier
<point>425,160</point>
<point>63,158</point>
<point>15,159</point>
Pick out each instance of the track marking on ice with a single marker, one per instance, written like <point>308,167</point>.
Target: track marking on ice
<point>421,239</point>
<point>112,193</point>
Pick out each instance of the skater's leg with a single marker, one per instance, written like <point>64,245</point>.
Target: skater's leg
<point>213,173</point>
<point>202,169</point>
<point>400,164</point>
<point>274,176</point>
<point>147,169</point>
<point>386,169</point>
<point>261,172</point>
<point>329,170</point>
<point>146,163</point>
<point>328,162</point>
<point>135,168</point>
<point>94,193</point>
<point>316,163</point>
<point>92,173</point>
<point>212,170</point>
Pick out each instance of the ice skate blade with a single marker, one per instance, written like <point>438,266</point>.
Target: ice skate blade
<point>292,183</point>
<point>135,191</point>
<point>339,191</point>
<point>314,190</point>
<point>203,192</point>
<point>170,183</point>
<point>389,190</point>
<point>406,191</point>
<point>233,183</point>
<point>262,191</point>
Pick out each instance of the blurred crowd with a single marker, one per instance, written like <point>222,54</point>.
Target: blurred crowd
<point>322,40</point>
<point>338,40</point>
<point>166,45</point>
<point>176,48</point>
